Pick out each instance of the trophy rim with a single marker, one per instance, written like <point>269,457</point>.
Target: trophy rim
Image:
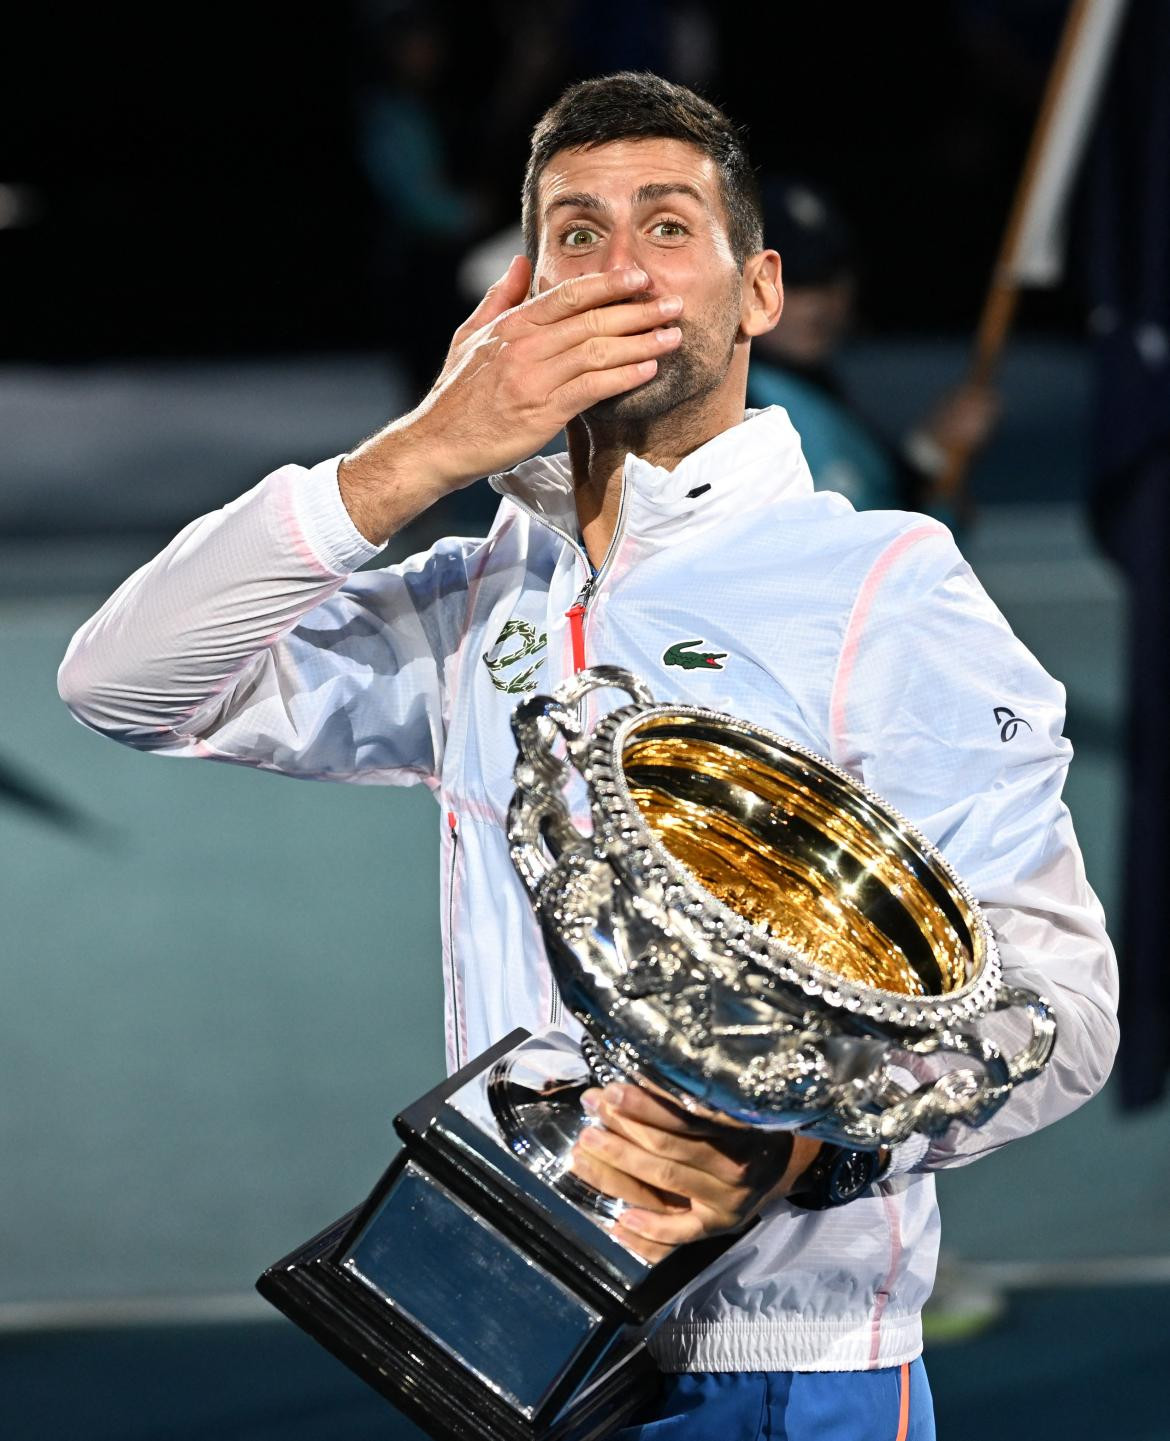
<point>647,862</point>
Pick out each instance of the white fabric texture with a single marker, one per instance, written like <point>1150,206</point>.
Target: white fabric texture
<point>863,636</point>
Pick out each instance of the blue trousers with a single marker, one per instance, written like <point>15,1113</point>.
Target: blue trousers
<point>888,1405</point>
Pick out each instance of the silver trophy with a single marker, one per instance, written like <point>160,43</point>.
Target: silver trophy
<point>740,925</point>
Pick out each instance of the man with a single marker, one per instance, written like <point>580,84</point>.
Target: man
<point>672,520</point>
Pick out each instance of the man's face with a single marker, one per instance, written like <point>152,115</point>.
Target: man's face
<point>655,204</point>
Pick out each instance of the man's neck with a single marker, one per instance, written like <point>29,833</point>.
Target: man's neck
<point>597,453</point>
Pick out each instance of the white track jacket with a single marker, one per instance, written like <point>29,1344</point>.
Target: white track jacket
<point>864,636</point>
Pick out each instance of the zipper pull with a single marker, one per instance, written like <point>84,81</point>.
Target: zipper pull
<point>576,618</point>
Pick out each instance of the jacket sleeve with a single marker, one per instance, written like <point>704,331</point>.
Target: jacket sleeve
<point>248,639</point>
<point>944,713</point>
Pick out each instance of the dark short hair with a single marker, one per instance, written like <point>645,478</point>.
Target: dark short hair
<point>637,105</point>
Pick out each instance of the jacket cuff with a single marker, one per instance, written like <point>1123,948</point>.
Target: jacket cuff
<point>324,522</point>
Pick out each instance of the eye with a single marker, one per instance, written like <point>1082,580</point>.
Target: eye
<point>579,235</point>
<point>670,230</point>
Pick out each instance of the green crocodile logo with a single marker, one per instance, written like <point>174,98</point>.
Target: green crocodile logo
<point>681,653</point>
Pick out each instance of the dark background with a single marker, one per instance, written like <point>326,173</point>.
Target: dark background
<point>193,184</point>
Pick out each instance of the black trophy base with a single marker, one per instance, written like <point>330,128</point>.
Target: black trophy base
<point>476,1297</point>
<point>419,1376</point>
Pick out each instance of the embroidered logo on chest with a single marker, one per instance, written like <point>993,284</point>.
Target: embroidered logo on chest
<point>516,643</point>
<point>682,653</point>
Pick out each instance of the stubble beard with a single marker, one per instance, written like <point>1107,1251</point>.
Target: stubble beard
<point>684,376</point>
<point>679,378</point>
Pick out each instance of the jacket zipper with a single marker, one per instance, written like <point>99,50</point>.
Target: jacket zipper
<point>577,612</point>
<point>456,1025</point>
<point>576,618</point>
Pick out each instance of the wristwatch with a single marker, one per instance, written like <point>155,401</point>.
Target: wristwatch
<point>837,1176</point>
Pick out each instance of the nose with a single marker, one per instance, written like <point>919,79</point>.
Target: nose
<point>622,252</point>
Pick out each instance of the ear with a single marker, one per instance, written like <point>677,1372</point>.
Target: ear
<point>762,294</point>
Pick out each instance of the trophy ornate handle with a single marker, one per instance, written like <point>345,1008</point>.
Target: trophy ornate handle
<point>964,1093</point>
<point>1031,1059</point>
<point>538,812</point>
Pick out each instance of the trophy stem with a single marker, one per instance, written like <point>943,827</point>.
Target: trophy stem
<point>540,1117</point>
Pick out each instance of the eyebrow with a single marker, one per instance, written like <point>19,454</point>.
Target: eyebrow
<point>578,200</point>
<point>655,190</point>
<point>663,190</point>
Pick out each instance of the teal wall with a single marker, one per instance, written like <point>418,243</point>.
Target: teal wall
<point>213,1004</point>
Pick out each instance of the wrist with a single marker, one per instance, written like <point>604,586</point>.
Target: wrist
<point>392,477</point>
<point>838,1175</point>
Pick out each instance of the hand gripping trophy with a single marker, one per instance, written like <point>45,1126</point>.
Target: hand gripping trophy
<point>746,929</point>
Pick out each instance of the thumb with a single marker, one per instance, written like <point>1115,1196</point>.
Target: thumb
<point>511,289</point>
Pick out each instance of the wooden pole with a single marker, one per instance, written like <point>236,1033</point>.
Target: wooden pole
<point>1003,291</point>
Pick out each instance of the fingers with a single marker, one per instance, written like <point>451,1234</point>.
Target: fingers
<point>728,1163</point>
<point>655,1235</point>
<point>681,1175</point>
<point>648,1250</point>
<point>578,340</point>
<point>634,318</point>
<point>596,1171</point>
<point>638,1103</point>
<point>629,1163</point>
<point>584,292</point>
<point>510,290</point>
<point>601,354</point>
<point>576,395</point>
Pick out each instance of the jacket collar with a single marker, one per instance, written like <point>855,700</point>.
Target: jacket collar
<point>761,453</point>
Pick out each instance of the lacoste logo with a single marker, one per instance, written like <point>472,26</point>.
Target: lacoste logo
<point>682,654</point>
<point>1008,722</point>
<point>515,643</point>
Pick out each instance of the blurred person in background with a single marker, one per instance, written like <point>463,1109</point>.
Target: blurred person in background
<point>629,322</point>
<point>426,219</point>
<point>795,366</point>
